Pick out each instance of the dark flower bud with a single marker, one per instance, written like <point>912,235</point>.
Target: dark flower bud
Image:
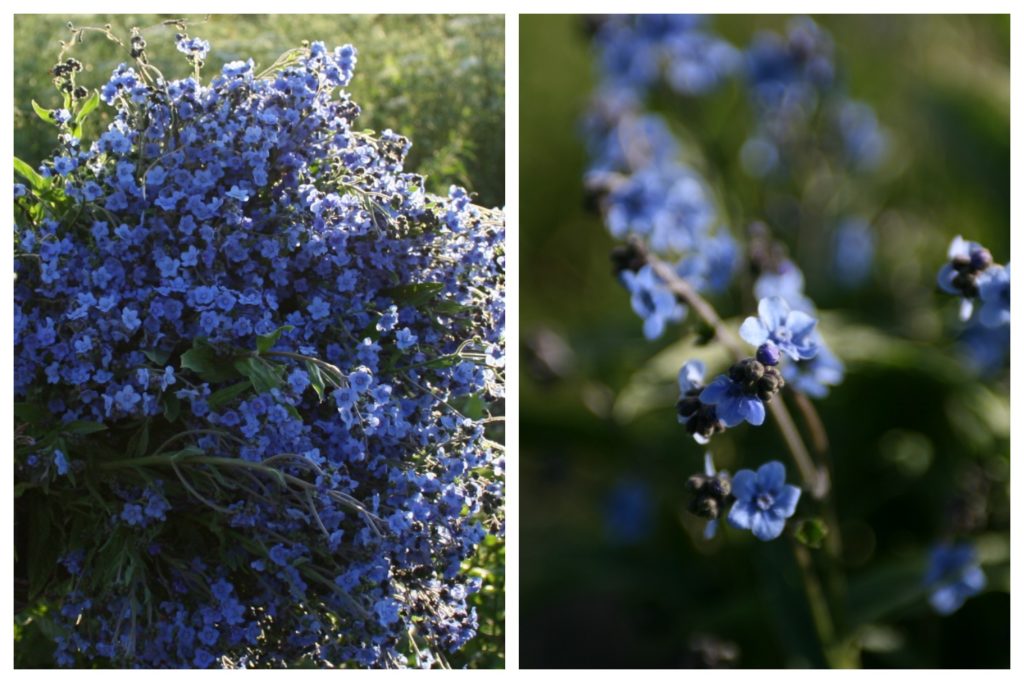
<point>770,384</point>
<point>688,405</point>
<point>769,354</point>
<point>80,93</point>
<point>720,486</point>
<point>981,259</point>
<point>747,372</point>
<point>705,506</point>
<point>696,482</point>
<point>966,283</point>
<point>627,257</point>
<point>961,263</point>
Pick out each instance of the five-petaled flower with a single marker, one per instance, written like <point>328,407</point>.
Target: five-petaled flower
<point>792,332</point>
<point>764,501</point>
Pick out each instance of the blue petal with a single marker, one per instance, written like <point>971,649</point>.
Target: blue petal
<point>945,279</point>
<point>709,465</point>
<point>752,409</point>
<point>691,375</point>
<point>753,331</point>
<point>711,529</point>
<point>785,502</point>
<point>993,315</point>
<point>946,600</point>
<point>973,580</point>
<point>800,324</point>
<point>731,411</point>
<point>653,327</point>
<point>716,391</point>
<point>966,308</point>
<point>742,514</point>
<point>771,477</point>
<point>773,312</point>
<point>767,525</point>
<point>744,485</point>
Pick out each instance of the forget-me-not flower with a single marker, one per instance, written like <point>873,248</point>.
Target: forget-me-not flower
<point>791,331</point>
<point>994,292</point>
<point>652,300</point>
<point>764,501</point>
<point>953,576</point>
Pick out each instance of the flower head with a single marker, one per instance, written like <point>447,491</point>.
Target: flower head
<point>791,331</point>
<point>764,501</point>
<point>701,419</point>
<point>813,377</point>
<point>732,402</point>
<point>652,300</point>
<point>953,576</point>
<point>994,291</point>
<point>960,276</point>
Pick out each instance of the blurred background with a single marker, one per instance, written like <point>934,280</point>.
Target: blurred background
<point>437,79</point>
<point>614,572</point>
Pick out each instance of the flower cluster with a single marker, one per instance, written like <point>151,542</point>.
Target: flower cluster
<point>953,576</point>
<point>254,356</point>
<point>973,275</point>
<point>761,501</point>
<point>644,189</point>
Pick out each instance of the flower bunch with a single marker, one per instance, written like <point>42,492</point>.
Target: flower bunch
<point>256,363</point>
<point>972,274</point>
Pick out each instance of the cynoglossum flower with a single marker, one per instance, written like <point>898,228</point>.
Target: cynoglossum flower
<point>786,280</point>
<point>733,403</point>
<point>813,377</point>
<point>791,331</point>
<point>652,300</point>
<point>764,501</point>
<point>994,292</point>
<point>701,419</point>
<point>953,575</point>
<point>960,276</point>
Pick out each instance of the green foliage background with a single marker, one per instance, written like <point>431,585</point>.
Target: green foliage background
<point>910,427</point>
<point>437,79</point>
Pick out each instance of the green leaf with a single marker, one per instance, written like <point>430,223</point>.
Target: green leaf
<point>158,356</point>
<point>316,379</point>
<point>265,342</point>
<point>139,443</point>
<point>262,374</point>
<point>87,107</point>
<point>202,359</point>
<point>43,113</point>
<point>83,427</point>
<point>416,294</point>
<point>812,532</point>
<point>224,396</point>
<point>43,548</point>
<point>38,182</point>
<point>31,413</point>
<point>172,407</point>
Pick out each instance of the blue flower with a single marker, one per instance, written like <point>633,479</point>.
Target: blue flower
<point>953,576</point>
<point>61,462</point>
<point>764,501</point>
<point>786,281</point>
<point>701,420</point>
<point>994,291</point>
<point>791,331</point>
<point>652,300</point>
<point>404,339</point>
<point>732,403</point>
<point>813,377</point>
<point>960,276</point>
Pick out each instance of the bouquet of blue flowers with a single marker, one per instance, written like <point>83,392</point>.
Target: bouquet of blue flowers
<point>259,376</point>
